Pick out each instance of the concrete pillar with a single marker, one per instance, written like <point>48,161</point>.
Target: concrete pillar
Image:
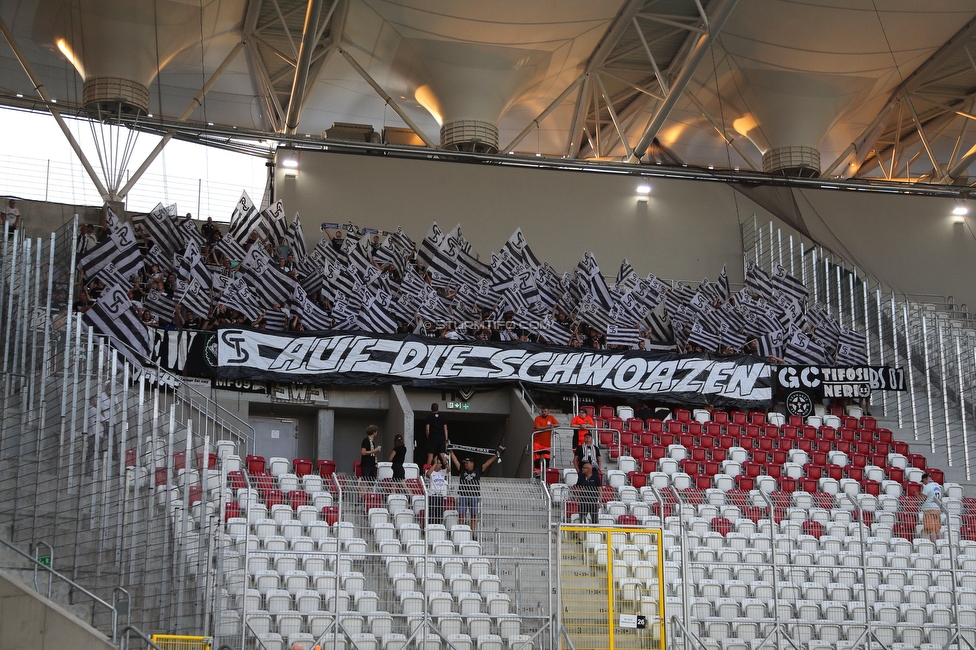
<point>325,435</point>
<point>518,437</point>
<point>399,420</point>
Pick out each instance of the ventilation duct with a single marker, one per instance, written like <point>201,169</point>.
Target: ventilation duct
<point>789,113</point>
<point>468,87</point>
<point>119,46</point>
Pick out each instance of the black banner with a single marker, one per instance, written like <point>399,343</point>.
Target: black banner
<point>189,353</point>
<point>354,359</point>
<point>825,382</point>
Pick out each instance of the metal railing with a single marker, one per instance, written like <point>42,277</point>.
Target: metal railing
<point>931,337</point>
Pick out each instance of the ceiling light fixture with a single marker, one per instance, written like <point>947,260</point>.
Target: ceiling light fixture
<point>960,210</point>
<point>644,189</point>
<point>290,163</point>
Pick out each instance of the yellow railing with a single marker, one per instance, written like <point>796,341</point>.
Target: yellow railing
<point>179,642</point>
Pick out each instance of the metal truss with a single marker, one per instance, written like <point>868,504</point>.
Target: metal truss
<point>936,99</point>
<point>288,43</point>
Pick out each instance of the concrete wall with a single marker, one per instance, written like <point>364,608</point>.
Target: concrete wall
<point>686,230</point>
<point>29,621</point>
<point>40,219</point>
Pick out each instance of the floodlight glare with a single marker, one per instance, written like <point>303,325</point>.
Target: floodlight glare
<point>960,210</point>
<point>644,189</point>
<point>290,163</point>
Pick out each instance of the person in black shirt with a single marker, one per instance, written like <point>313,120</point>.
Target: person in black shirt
<point>588,491</point>
<point>397,456</point>
<point>469,487</point>
<point>436,431</point>
<point>369,452</point>
<point>587,453</point>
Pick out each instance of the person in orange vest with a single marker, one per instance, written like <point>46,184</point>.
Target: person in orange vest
<point>583,423</point>
<point>542,438</point>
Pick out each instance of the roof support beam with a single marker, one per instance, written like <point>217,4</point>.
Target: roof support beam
<point>925,141</point>
<point>722,132</point>
<point>663,110</point>
<point>298,86</point>
<point>910,84</point>
<point>192,106</point>
<point>613,116</point>
<point>864,142</point>
<point>544,114</point>
<point>42,92</point>
<point>579,115</point>
<point>647,49</point>
<point>386,97</point>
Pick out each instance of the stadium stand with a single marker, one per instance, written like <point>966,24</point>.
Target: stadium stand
<point>735,524</point>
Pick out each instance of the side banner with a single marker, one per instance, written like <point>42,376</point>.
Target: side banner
<point>832,381</point>
<point>187,353</point>
<point>341,358</point>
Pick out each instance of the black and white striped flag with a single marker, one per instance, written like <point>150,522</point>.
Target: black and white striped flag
<point>244,219</point>
<point>758,281</point>
<point>194,296</point>
<point>117,257</point>
<point>188,230</point>
<point>626,277</point>
<point>801,350</point>
<point>853,345</point>
<point>160,229</point>
<point>229,248</point>
<point>723,285</point>
<point>702,337</point>
<point>789,285</point>
<point>113,315</point>
<point>374,316</point>
<point>155,255</point>
<point>238,296</point>
<point>273,222</point>
<point>296,239</point>
<point>623,336</point>
<point>434,252</point>
<point>772,344</point>
<point>275,319</point>
<point>311,316</point>
<point>269,283</point>
<point>160,305</point>
<point>191,267</point>
<point>659,328</point>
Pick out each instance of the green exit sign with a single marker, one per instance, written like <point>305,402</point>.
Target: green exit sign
<point>459,406</point>
<point>45,560</point>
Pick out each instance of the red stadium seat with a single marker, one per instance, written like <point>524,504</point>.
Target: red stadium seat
<point>713,429</point>
<point>703,481</point>
<point>718,455</point>
<point>780,498</point>
<point>648,439</point>
<point>254,464</point>
<point>273,498</point>
<point>694,428</point>
<point>712,468</point>
<point>627,520</point>
<point>795,420</point>
<point>968,533</point>
<point>638,452</point>
<point>635,424</point>
<point>236,480</point>
<point>835,472</point>
<point>357,468</point>
<point>904,530</point>
<point>745,483</point>
<point>895,474</point>
<point>299,498</point>
<point>911,488</point>
<point>900,447</point>
<point>823,500</point>
<point>757,417</point>
<point>752,469</point>
<point>765,444</point>
<point>196,494</point>
<point>668,510</point>
<point>812,471</point>
<point>232,509</point>
<point>302,466</point>
<point>689,466</point>
<point>968,504</point>
<point>812,528</point>
<point>552,475</point>
<point>775,470</point>
<point>675,427</point>
<point>868,423</point>
<point>330,514</point>
<point>637,479</point>
<point>937,475</point>
<point>789,431</point>
<point>682,415</point>
<point>884,435</point>
<point>131,457</point>
<point>755,513</point>
<point>212,458</point>
<point>734,429</point>
<point>747,443</point>
<point>179,460</point>
<point>617,424</point>
<point>666,439</point>
<point>737,497</point>
<point>607,493</point>
<point>856,473</point>
<point>721,417</point>
<point>648,465</point>
<point>787,484</point>
<point>739,417</point>
<point>828,433</point>
<point>872,487</point>
<point>699,453</point>
<point>779,456</point>
<point>914,460</point>
<point>326,468</point>
<point>654,425</point>
<point>707,441</point>
<point>606,412</point>
<point>722,525</point>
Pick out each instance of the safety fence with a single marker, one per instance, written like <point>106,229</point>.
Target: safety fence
<point>931,337</point>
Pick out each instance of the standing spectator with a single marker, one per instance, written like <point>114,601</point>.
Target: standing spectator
<point>336,241</point>
<point>587,453</point>
<point>931,507</point>
<point>582,422</point>
<point>369,452</point>
<point>588,491</point>
<point>469,487</point>
<point>208,230</point>
<point>397,456</point>
<point>11,216</point>
<point>437,474</point>
<point>437,436</point>
<point>542,438</point>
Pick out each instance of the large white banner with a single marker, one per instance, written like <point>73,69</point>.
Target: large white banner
<point>342,358</point>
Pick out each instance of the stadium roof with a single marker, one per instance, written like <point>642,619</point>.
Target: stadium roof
<point>851,88</point>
